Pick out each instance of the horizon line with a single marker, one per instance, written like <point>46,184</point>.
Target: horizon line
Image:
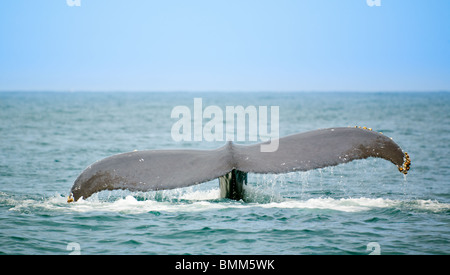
<point>216,91</point>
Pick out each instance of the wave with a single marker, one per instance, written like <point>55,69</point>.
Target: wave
<point>208,200</point>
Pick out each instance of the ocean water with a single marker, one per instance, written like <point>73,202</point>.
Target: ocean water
<point>48,138</point>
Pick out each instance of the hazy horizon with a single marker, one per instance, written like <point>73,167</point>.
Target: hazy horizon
<point>240,46</point>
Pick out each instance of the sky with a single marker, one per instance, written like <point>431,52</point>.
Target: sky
<point>225,45</point>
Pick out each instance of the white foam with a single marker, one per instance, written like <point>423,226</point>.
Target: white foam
<point>345,205</point>
<point>427,205</point>
<point>194,201</point>
<point>202,195</point>
<point>207,200</point>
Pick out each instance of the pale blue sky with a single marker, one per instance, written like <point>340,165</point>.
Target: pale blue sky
<point>225,45</point>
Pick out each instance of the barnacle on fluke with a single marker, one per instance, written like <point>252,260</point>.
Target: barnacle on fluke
<point>404,168</point>
<point>406,164</point>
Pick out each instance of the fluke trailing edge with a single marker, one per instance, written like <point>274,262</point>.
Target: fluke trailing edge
<point>169,169</point>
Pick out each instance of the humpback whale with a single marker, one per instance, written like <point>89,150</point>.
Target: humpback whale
<point>168,169</point>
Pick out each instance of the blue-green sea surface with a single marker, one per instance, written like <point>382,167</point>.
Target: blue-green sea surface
<point>48,138</point>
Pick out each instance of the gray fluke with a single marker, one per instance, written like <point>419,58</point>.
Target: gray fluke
<point>169,169</point>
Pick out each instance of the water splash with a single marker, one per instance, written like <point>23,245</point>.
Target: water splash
<point>208,200</point>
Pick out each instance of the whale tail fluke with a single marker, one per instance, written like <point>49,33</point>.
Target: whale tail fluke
<point>169,169</point>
